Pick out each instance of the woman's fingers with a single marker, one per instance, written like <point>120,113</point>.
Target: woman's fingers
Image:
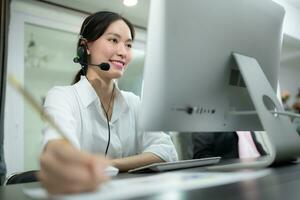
<point>97,166</point>
<point>65,169</point>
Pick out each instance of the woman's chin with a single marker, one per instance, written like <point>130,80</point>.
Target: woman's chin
<point>116,75</point>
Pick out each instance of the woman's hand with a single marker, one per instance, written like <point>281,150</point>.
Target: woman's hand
<point>131,162</point>
<point>65,169</point>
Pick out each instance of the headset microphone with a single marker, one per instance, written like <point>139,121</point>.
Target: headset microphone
<point>103,66</point>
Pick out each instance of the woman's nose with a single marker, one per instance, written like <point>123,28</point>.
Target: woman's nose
<point>122,50</point>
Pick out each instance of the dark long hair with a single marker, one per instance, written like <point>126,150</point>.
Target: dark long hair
<point>93,27</point>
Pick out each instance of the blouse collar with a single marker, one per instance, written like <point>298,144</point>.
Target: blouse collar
<point>88,96</point>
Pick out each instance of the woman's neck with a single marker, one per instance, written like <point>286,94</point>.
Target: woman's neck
<point>103,87</point>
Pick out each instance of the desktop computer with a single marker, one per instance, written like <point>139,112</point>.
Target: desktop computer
<point>213,66</point>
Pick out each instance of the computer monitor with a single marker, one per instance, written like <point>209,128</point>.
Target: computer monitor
<point>211,64</point>
<point>191,82</point>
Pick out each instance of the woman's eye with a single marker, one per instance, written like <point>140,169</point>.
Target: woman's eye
<point>113,40</point>
<point>129,46</point>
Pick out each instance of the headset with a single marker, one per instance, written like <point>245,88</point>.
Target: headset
<point>82,54</point>
<point>81,57</point>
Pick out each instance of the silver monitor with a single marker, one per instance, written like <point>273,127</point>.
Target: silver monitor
<point>213,65</point>
<point>191,81</point>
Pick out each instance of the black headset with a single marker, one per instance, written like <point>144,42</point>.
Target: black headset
<point>82,54</point>
<point>81,57</point>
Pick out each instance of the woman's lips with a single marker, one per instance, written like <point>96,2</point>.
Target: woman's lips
<point>118,64</point>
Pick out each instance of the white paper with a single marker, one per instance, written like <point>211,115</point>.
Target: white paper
<point>135,187</point>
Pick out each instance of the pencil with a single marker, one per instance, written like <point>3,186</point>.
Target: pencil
<point>36,106</point>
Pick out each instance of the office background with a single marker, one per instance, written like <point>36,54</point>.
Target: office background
<point>41,46</point>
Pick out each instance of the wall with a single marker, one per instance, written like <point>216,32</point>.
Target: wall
<point>289,74</point>
<point>22,14</point>
<point>290,59</point>
<point>291,24</point>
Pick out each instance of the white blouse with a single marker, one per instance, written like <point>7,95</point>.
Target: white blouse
<point>77,111</point>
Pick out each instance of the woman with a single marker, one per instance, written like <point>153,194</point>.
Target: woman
<point>96,116</point>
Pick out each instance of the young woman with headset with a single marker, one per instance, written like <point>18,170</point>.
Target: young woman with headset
<point>99,120</point>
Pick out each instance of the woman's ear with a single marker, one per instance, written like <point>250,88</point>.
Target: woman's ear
<point>88,48</point>
<point>86,44</point>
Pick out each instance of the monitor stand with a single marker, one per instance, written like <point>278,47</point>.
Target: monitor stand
<point>284,138</point>
<point>285,141</point>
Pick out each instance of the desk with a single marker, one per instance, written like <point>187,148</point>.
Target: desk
<point>282,183</point>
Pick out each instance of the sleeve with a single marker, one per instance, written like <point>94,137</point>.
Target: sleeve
<point>158,143</point>
<point>59,105</point>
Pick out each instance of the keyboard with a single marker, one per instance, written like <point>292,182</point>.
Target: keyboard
<point>182,164</point>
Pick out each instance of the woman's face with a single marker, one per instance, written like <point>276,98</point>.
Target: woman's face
<point>113,47</point>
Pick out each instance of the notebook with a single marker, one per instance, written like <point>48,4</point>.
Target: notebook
<point>182,164</point>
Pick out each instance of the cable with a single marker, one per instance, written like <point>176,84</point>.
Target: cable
<point>107,118</point>
<point>253,112</point>
<point>108,127</point>
<point>289,114</point>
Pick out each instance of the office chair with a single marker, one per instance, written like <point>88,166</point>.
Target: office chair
<point>22,177</point>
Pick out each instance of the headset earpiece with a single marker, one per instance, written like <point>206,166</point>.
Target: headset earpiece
<point>81,53</point>
<point>82,57</point>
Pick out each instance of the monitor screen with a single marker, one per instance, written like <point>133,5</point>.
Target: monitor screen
<point>191,81</point>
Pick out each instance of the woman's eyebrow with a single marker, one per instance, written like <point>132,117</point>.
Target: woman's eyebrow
<point>119,36</point>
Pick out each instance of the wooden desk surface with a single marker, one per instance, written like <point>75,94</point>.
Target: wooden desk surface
<point>282,183</point>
